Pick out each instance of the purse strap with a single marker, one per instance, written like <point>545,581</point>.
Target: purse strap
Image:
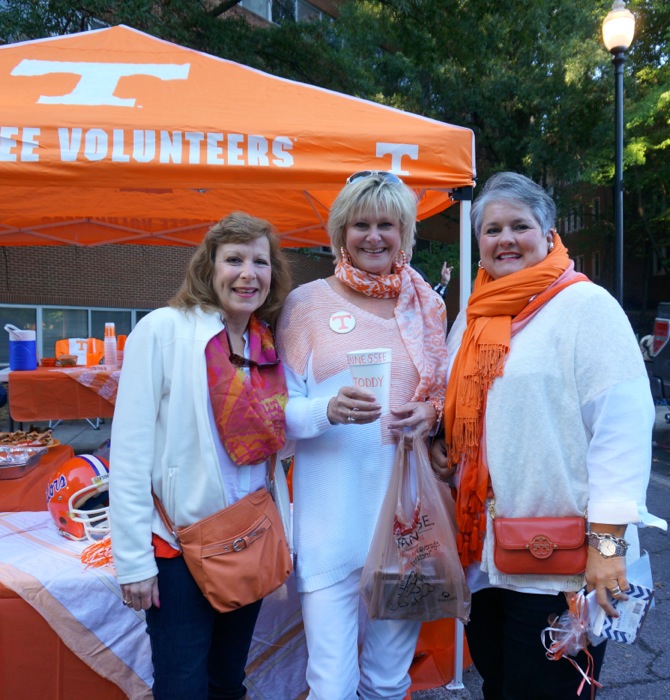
<point>166,518</point>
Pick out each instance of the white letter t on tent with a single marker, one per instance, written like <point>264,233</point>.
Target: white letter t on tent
<point>98,80</point>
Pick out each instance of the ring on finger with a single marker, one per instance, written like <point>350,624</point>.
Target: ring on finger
<point>615,591</point>
<point>350,417</point>
<point>127,602</point>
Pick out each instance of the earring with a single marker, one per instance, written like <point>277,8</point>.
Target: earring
<point>479,265</point>
<point>551,246</point>
<point>400,261</point>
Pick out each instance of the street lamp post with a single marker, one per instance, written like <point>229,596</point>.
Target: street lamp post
<point>618,31</point>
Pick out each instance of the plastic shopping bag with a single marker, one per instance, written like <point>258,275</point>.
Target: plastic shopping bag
<point>413,571</point>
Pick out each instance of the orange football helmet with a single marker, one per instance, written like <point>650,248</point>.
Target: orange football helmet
<point>78,498</point>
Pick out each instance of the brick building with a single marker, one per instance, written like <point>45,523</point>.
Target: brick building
<point>70,291</point>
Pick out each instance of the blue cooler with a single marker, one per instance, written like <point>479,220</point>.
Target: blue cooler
<point>22,348</point>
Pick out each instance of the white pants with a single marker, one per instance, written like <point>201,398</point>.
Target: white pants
<point>334,671</point>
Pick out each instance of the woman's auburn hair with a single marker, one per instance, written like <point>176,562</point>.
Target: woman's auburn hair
<point>197,291</point>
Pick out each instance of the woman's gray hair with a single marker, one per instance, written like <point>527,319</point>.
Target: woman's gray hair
<point>373,195</point>
<point>512,187</point>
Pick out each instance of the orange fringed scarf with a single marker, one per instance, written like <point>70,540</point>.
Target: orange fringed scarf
<point>496,309</point>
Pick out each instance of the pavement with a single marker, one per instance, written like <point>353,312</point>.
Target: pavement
<point>84,438</point>
<point>631,672</point>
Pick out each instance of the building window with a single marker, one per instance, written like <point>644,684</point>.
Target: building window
<point>294,10</point>
<point>595,265</point>
<point>657,268</point>
<point>579,263</point>
<point>53,323</point>
<point>595,211</point>
<point>262,8</point>
<point>304,11</point>
<point>60,323</point>
<point>575,219</point>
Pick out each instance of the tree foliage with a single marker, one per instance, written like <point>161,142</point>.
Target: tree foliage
<point>531,78</point>
<point>431,257</point>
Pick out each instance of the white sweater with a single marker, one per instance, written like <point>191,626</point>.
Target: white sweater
<point>568,425</point>
<point>341,472</point>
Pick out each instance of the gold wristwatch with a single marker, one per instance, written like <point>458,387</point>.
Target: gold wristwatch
<point>608,545</point>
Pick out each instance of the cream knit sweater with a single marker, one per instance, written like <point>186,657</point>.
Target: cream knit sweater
<point>568,425</point>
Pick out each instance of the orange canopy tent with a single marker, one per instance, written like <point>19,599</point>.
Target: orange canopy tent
<point>115,136</point>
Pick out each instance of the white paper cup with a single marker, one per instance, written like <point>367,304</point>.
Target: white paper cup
<point>371,371</point>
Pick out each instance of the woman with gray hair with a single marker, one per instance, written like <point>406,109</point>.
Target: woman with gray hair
<point>345,447</point>
<point>548,414</point>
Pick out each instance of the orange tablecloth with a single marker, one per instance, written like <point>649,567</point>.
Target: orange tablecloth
<point>278,634</point>
<point>36,663</point>
<point>28,492</point>
<point>21,627</point>
<point>83,606</point>
<point>54,394</point>
<point>62,673</point>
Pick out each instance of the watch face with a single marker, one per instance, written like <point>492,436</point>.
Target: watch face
<point>607,547</point>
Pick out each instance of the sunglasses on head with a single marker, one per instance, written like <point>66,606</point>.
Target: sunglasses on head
<point>239,361</point>
<point>383,174</point>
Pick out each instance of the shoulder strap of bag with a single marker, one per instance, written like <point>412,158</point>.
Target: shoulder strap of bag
<point>166,518</point>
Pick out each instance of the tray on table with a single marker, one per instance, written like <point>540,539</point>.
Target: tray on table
<point>18,460</point>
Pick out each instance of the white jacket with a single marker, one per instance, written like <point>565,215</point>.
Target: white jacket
<point>162,438</point>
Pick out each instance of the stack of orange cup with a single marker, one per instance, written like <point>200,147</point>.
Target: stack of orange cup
<point>120,344</point>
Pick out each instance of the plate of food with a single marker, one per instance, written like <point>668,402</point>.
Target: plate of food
<point>28,438</point>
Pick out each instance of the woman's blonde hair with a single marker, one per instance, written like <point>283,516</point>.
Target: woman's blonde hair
<point>373,195</point>
<point>197,290</point>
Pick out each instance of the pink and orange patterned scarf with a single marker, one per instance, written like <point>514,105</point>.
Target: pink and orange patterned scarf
<point>248,410</point>
<point>420,315</point>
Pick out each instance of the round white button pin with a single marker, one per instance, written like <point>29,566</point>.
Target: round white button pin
<point>342,322</point>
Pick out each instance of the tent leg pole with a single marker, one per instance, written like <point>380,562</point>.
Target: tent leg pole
<point>465,261</point>
<point>457,681</point>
